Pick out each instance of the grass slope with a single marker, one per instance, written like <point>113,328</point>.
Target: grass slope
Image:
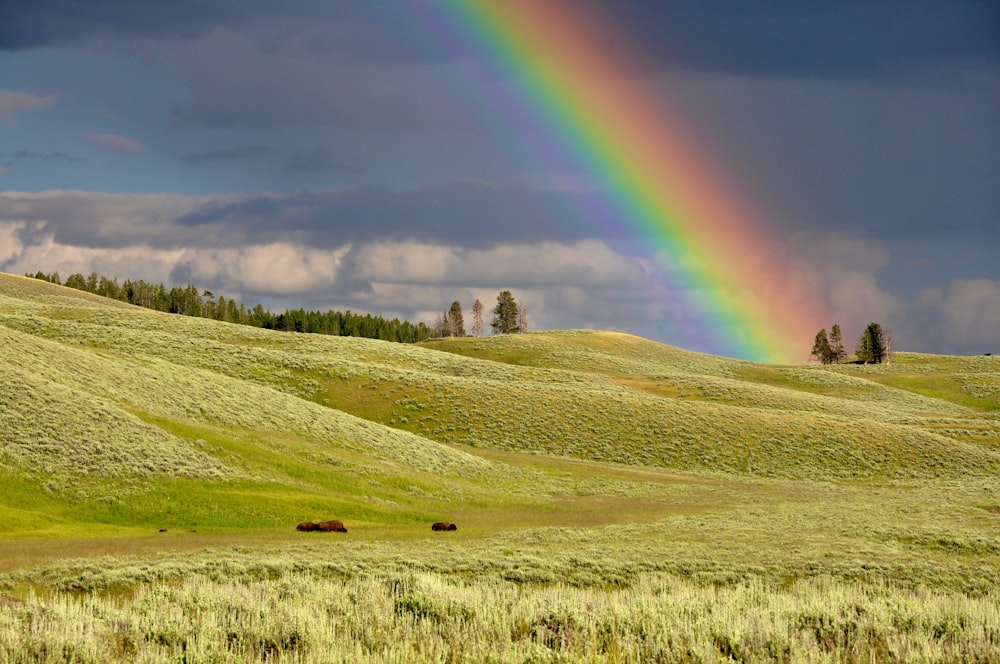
<point>593,459</point>
<point>99,398</point>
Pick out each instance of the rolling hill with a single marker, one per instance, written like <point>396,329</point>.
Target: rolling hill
<point>153,467</point>
<point>109,413</point>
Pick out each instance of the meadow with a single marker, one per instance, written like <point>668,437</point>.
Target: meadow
<point>617,499</point>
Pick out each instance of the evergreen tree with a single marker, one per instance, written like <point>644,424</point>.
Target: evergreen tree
<point>871,345</point>
<point>836,344</point>
<point>77,281</point>
<point>505,314</point>
<point>477,318</point>
<point>190,301</point>
<point>455,323</point>
<point>821,347</point>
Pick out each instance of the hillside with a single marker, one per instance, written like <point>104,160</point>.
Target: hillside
<point>158,464</point>
<point>100,399</point>
<point>130,385</point>
<point>100,396</point>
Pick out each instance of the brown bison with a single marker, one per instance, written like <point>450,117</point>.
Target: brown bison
<point>332,526</point>
<point>444,525</point>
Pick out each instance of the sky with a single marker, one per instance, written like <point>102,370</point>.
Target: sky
<point>386,157</point>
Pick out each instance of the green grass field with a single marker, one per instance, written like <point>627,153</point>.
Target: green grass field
<point>617,499</point>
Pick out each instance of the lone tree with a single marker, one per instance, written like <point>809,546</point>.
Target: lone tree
<point>871,347</point>
<point>454,324</point>
<point>505,314</point>
<point>477,318</point>
<point>821,348</point>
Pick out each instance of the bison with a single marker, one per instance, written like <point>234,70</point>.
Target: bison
<point>332,526</point>
<point>306,526</point>
<point>444,525</point>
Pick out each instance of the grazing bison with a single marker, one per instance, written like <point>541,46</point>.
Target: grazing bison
<point>444,525</point>
<point>332,526</point>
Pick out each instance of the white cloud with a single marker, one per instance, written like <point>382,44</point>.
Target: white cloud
<point>279,268</point>
<point>119,143</point>
<point>10,243</point>
<point>586,262</point>
<point>12,102</point>
<point>44,253</point>
<point>842,272</point>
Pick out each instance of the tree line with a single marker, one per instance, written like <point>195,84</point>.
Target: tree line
<point>508,318</point>
<point>874,346</point>
<point>189,301</point>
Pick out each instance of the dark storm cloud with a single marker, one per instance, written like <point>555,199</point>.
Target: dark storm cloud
<point>48,156</point>
<point>456,214</point>
<point>231,154</point>
<point>857,39</point>
<point>465,214</point>
<point>851,39</point>
<point>233,84</point>
<point>357,32</point>
<point>320,159</point>
<point>42,23</point>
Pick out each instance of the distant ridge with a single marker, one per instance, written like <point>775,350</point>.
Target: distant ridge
<point>188,301</point>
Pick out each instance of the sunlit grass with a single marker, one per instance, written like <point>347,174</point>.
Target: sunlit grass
<point>426,617</point>
<point>597,479</point>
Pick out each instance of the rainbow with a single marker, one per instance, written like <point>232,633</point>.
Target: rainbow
<point>737,284</point>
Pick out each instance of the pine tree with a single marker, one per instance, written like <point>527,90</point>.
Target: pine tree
<point>505,314</point>
<point>477,318</point>
<point>455,324</point>
<point>836,344</point>
<point>821,347</point>
<point>870,348</point>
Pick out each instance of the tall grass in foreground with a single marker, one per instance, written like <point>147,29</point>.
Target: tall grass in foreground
<point>431,617</point>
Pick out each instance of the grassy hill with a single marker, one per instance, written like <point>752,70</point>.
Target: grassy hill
<point>586,457</point>
<point>103,401</point>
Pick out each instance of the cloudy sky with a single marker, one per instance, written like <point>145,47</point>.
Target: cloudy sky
<point>359,156</point>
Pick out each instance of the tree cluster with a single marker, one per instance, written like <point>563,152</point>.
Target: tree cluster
<point>829,349</point>
<point>188,301</point>
<point>874,346</point>
<point>451,323</point>
<point>508,318</point>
